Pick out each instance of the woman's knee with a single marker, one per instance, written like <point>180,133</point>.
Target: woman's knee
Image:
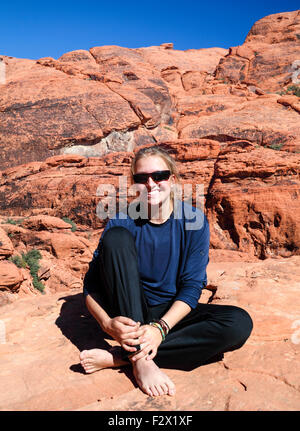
<point>241,326</point>
<point>117,236</point>
<point>236,326</point>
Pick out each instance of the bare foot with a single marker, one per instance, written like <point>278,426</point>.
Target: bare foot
<point>151,379</point>
<point>97,359</point>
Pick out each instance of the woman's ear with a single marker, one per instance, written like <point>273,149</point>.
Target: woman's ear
<point>172,180</point>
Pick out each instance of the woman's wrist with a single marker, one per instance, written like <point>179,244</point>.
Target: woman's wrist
<point>105,323</point>
<point>152,324</point>
<point>162,326</point>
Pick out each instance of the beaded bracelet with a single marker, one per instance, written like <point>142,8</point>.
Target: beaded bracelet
<point>165,326</point>
<point>158,326</point>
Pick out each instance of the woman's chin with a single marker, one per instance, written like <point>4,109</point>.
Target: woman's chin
<point>153,200</point>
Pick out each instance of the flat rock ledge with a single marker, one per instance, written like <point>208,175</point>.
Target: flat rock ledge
<point>41,338</point>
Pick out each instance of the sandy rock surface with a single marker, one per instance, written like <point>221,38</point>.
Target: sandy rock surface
<point>44,334</point>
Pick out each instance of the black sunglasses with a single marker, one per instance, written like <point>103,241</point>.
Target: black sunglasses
<point>157,176</point>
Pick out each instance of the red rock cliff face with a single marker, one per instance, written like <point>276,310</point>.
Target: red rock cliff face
<point>253,203</point>
<point>267,58</point>
<point>89,102</point>
<point>69,125</point>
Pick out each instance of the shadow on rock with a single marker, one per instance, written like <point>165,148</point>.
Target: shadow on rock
<point>77,324</point>
<point>80,327</point>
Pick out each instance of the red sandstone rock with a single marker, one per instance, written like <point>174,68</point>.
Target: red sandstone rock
<point>26,289</point>
<point>10,276</point>
<point>262,121</point>
<point>192,150</point>
<point>102,93</point>
<point>203,60</point>
<point>57,275</point>
<point>55,110</point>
<point>251,190</point>
<point>115,98</point>
<point>192,107</point>
<point>267,56</point>
<point>68,185</point>
<point>43,222</point>
<point>253,204</point>
<point>6,246</point>
<point>276,28</point>
<point>44,339</point>
<point>292,101</point>
<point>65,256</point>
<point>113,101</point>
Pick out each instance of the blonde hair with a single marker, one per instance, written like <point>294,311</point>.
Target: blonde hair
<point>156,151</point>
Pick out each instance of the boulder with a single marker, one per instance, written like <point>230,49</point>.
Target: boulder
<point>55,110</point>
<point>261,120</point>
<point>6,246</point>
<point>268,55</point>
<point>10,276</point>
<point>253,202</point>
<point>43,222</point>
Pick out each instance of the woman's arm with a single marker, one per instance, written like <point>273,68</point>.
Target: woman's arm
<point>123,329</point>
<point>193,277</point>
<point>97,311</point>
<point>176,312</point>
<point>152,338</point>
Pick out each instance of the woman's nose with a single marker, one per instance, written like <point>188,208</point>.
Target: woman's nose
<point>150,183</point>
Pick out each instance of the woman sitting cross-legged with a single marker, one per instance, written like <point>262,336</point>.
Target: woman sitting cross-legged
<point>144,283</point>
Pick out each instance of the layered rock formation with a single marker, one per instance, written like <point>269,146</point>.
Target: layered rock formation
<point>253,202</point>
<point>64,255</point>
<point>269,56</point>
<point>89,102</point>
<point>250,193</point>
<point>91,110</point>
<point>113,98</point>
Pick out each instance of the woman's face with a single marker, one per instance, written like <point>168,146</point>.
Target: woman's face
<point>157,192</point>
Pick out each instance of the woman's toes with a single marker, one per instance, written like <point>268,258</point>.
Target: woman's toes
<point>85,363</point>
<point>160,389</point>
<point>147,391</point>
<point>172,391</point>
<point>88,368</point>
<point>154,391</point>
<point>82,354</point>
<point>165,389</point>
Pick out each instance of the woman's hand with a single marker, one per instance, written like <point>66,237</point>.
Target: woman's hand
<point>124,330</point>
<point>150,341</point>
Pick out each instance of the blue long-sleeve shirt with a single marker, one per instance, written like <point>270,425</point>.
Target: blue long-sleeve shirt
<point>172,256</point>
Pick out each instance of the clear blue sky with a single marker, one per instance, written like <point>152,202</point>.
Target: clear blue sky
<point>35,29</point>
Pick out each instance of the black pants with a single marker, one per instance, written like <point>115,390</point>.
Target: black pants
<point>201,337</point>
